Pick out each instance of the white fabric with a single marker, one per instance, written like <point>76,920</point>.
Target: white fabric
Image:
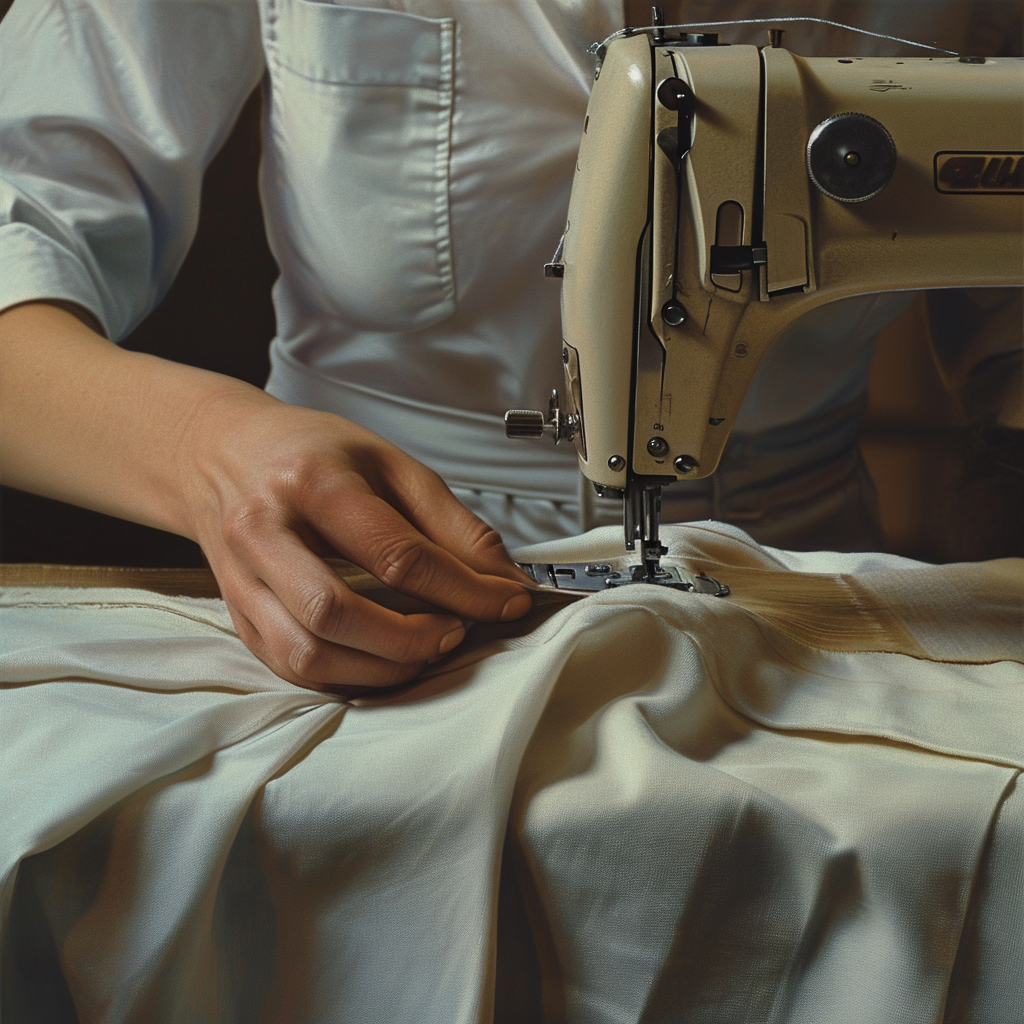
<point>654,806</point>
<point>417,162</point>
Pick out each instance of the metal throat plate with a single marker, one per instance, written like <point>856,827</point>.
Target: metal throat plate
<point>595,576</point>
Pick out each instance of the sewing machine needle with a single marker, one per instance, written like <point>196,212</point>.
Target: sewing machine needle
<point>651,548</point>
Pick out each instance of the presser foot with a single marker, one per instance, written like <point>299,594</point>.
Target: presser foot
<point>589,577</point>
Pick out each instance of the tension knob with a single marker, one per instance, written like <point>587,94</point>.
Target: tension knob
<point>851,157</point>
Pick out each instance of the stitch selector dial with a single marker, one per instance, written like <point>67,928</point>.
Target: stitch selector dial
<point>851,157</point>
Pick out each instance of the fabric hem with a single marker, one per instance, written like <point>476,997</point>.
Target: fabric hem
<point>36,268</point>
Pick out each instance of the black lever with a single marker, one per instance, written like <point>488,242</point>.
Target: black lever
<point>675,94</point>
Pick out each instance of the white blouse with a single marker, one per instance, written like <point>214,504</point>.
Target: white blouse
<point>415,178</point>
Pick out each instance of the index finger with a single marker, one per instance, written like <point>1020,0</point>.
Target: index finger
<point>427,503</point>
<point>367,530</point>
<point>323,606</point>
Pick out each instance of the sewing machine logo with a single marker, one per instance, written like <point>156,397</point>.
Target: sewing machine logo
<point>887,85</point>
<point>980,173</point>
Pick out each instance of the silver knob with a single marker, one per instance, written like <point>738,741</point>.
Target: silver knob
<point>527,423</point>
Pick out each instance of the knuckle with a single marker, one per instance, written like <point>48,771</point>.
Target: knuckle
<point>251,637</point>
<point>267,649</point>
<point>306,657</point>
<point>322,611</point>
<point>310,479</point>
<point>484,539</point>
<point>402,565</point>
<point>244,523</point>
<point>297,469</point>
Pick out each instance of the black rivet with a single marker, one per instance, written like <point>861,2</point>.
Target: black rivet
<point>685,464</point>
<point>657,447</point>
<point>673,313</point>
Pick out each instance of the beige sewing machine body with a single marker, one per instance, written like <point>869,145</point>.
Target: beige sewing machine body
<point>721,192</point>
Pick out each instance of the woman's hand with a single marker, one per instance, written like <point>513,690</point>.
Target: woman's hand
<point>272,488</point>
<point>267,489</point>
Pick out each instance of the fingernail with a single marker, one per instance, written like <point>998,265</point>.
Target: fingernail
<point>516,607</point>
<point>451,640</point>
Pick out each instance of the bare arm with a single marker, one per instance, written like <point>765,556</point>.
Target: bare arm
<point>264,487</point>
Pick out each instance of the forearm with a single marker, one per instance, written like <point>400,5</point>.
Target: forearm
<point>87,422</point>
<point>266,488</point>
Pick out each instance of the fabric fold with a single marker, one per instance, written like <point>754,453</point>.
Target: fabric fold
<point>648,805</point>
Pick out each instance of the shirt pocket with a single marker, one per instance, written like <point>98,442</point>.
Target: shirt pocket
<point>360,132</point>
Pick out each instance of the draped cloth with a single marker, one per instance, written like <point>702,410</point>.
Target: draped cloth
<point>796,803</point>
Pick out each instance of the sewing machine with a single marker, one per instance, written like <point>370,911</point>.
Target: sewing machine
<point>720,193</point>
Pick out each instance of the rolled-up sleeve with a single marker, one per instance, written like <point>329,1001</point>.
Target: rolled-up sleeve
<point>109,113</point>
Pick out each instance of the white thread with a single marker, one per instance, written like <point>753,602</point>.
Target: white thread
<point>768,21</point>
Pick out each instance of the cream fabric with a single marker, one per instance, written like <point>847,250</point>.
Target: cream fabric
<point>643,806</point>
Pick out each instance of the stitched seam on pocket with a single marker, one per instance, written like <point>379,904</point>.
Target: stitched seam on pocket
<point>270,46</point>
<point>442,162</point>
<point>271,82</point>
<point>286,19</point>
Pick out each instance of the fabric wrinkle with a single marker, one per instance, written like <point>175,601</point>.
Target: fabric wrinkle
<point>697,813</point>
